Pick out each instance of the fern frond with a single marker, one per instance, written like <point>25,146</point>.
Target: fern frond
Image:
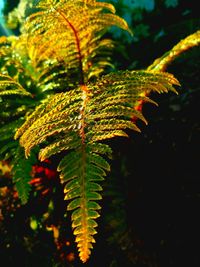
<point>16,97</point>
<point>21,170</point>
<point>81,170</point>
<point>74,29</point>
<point>187,43</point>
<point>94,112</point>
<point>71,142</point>
<point>9,86</point>
<point>59,52</point>
<point>76,121</point>
<point>51,119</point>
<point>112,98</point>
<point>7,144</point>
<point>161,64</point>
<point>18,62</point>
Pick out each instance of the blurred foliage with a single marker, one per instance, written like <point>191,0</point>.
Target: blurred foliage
<point>151,215</point>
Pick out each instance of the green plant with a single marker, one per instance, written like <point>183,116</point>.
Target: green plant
<point>59,98</point>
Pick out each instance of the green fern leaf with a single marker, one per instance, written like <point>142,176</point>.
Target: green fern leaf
<point>81,188</point>
<point>7,144</point>
<point>21,171</point>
